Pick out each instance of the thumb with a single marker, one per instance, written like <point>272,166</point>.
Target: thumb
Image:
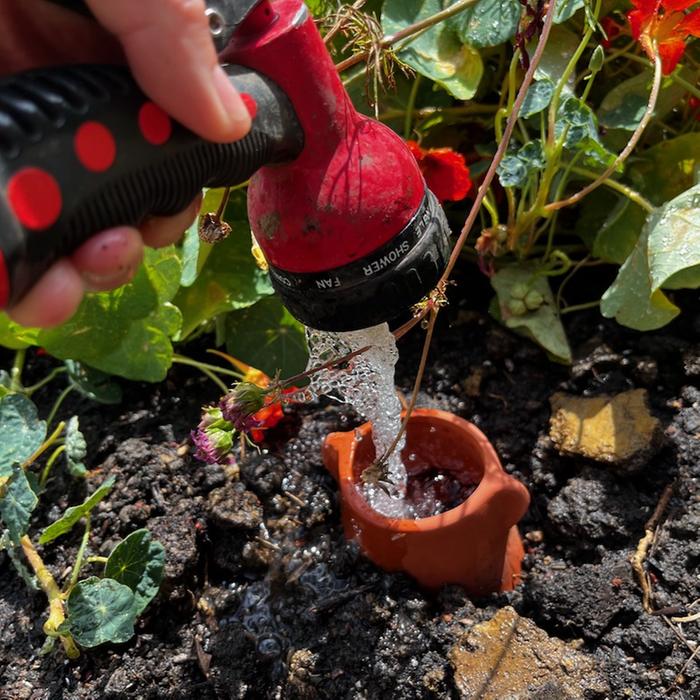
<point>172,57</point>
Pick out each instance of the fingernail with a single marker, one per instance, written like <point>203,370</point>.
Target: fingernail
<point>101,283</point>
<point>232,104</point>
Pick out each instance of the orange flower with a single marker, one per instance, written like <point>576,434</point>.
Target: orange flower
<point>444,170</point>
<point>664,24</point>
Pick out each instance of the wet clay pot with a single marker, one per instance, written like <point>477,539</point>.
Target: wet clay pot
<point>475,544</point>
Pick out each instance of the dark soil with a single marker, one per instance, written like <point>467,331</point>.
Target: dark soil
<point>263,596</point>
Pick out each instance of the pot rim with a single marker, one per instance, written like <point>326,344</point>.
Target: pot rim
<point>494,476</point>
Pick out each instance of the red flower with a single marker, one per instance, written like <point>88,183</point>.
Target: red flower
<point>664,24</point>
<point>444,170</point>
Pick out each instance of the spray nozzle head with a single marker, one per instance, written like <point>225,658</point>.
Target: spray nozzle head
<point>377,287</point>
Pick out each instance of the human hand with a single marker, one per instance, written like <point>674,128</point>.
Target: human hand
<point>170,53</point>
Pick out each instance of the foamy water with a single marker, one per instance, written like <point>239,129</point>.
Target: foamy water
<point>367,384</point>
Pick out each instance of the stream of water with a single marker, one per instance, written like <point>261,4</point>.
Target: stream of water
<point>367,384</point>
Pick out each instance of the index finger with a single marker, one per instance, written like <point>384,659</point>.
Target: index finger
<point>171,55</point>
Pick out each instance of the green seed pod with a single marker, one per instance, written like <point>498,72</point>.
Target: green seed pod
<point>518,291</point>
<point>533,300</point>
<point>517,307</point>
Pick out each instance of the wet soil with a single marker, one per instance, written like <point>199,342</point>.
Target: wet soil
<point>263,597</point>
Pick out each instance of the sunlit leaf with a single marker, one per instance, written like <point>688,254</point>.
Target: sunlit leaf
<point>99,611</point>
<point>667,254</point>
<point>138,562</point>
<point>488,23</point>
<point>73,514</point>
<point>437,53</point>
<point>76,448</point>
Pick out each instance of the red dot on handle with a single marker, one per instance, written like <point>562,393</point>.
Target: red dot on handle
<point>4,282</point>
<point>155,124</point>
<point>250,104</point>
<point>95,146</point>
<point>35,198</point>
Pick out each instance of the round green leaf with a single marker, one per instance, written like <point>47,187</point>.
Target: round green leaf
<point>99,611</point>
<point>138,562</point>
<point>17,504</point>
<point>436,53</point>
<point>488,23</point>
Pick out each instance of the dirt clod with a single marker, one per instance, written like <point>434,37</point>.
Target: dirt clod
<point>614,429</point>
<point>510,657</point>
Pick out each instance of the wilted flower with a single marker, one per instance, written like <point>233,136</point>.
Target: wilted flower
<point>213,437</point>
<point>241,404</point>
<point>444,170</point>
<point>664,24</point>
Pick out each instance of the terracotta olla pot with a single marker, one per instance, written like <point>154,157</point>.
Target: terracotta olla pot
<point>475,544</point>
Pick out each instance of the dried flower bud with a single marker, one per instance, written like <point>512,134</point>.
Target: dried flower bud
<point>240,405</point>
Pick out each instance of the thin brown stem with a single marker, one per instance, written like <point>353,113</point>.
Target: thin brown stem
<point>416,385</point>
<point>622,157</point>
<point>326,365</point>
<point>503,145</point>
<point>406,32</point>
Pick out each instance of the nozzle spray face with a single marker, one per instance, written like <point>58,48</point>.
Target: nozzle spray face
<point>377,287</point>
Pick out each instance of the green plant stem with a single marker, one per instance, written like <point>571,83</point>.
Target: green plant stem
<point>183,360</point>
<point>631,194</point>
<point>48,378</point>
<point>51,440</point>
<point>424,112</point>
<point>622,157</point>
<point>674,77</point>
<point>410,106</point>
<point>491,209</point>
<point>80,555</point>
<point>580,307</point>
<point>16,371</point>
<point>57,405</point>
<point>49,464</point>
<point>53,593</point>
<point>391,39</point>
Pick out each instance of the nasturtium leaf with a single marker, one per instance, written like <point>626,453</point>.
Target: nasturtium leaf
<point>95,385</point>
<point>13,552</point>
<point>268,337</point>
<point>138,562</point>
<point>512,172</point>
<point>21,430</point>
<point>514,169</point>
<point>541,325</point>
<point>75,513</point>
<point>669,168</point>
<point>17,503</point>
<point>488,23</point>
<point>76,448</point>
<point>100,610</point>
<point>14,336</point>
<point>624,106</point>
<point>126,331</point>
<point>566,9</point>
<point>556,56</point>
<point>437,53</point>
<point>537,98</point>
<point>667,254</point>
<point>610,224</point>
<point>577,123</point>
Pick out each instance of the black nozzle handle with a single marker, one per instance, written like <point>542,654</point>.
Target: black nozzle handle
<point>82,149</point>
